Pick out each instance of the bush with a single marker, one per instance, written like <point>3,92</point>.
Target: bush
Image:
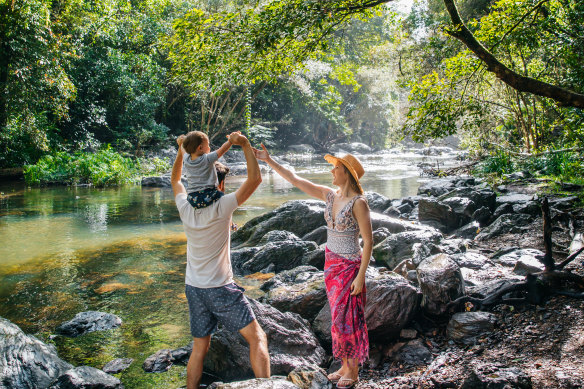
<point>498,164</point>
<point>103,168</point>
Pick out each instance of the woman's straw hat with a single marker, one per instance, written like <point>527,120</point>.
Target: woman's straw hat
<point>351,163</point>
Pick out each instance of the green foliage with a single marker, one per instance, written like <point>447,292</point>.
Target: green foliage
<point>498,164</point>
<point>103,168</point>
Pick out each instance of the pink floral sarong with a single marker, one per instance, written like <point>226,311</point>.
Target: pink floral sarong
<point>348,330</point>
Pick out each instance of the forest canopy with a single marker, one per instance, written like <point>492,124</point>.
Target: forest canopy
<point>78,75</point>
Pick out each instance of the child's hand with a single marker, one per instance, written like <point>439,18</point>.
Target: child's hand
<point>262,155</point>
<point>180,140</point>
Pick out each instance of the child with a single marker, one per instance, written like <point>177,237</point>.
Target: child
<point>199,167</point>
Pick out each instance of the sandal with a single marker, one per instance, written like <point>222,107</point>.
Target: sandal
<point>348,383</point>
<point>334,377</point>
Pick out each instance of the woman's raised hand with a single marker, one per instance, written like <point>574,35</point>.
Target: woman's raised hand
<point>262,155</point>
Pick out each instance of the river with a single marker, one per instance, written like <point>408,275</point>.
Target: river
<point>65,250</point>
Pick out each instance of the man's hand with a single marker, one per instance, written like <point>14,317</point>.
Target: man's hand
<point>262,155</point>
<point>180,140</point>
<point>237,139</point>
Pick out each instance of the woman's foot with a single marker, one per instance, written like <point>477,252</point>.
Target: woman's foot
<point>346,382</point>
<point>335,377</point>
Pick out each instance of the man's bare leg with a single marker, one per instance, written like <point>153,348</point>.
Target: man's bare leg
<point>195,365</point>
<point>258,349</point>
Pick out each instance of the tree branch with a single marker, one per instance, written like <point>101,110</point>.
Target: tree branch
<point>562,96</point>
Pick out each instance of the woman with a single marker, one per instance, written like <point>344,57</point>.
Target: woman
<point>347,214</point>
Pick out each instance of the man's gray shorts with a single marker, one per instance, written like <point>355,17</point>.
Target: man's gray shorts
<point>225,304</point>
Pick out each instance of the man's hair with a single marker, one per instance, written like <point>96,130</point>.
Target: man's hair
<point>222,171</point>
<point>193,140</point>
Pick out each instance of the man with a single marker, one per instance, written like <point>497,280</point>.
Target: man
<point>211,294</point>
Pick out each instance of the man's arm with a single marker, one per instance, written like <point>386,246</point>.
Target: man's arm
<point>175,176</point>
<point>223,149</point>
<point>254,177</point>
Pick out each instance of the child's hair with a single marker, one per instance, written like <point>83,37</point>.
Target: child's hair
<point>193,140</point>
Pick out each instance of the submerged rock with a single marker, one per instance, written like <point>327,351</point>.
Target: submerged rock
<point>291,344</point>
<point>89,321</point>
<point>85,377</point>
<point>117,365</point>
<point>25,361</point>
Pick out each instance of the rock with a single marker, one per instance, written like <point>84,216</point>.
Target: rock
<point>310,377</point>
<point>481,197</point>
<point>397,247</point>
<point>532,208</point>
<point>446,215</point>
<point>421,251</point>
<point>303,293</point>
<point>441,282</point>
<point>408,333</point>
<point>298,216</point>
<point>291,342</point>
<point>514,198</point>
<point>273,382</point>
<point>181,355</point>
<point>468,327</point>
<point>437,187</point>
<point>391,304</point>
<point>234,155</point>
<point>302,149</point>
<point>353,148</point>
<point>505,224</point>
<point>89,321</point>
<point>380,234</point>
<point>489,287</point>
<point>468,231</point>
<point>377,202</point>
<point>405,208</point>
<point>488,376</point>
<point>86,377</point>
<point>414,353</point>
<point>319,235</point>
<point>471,260</point>
<point>563,203</point>
<point>394,225</point>
<point>482,216</point>
<point>117,365</point>
<point>241,256</point>
<point>392,212</point>
<point>452,246</point>
<point>502,209</point>
<point>284,255</point>
<point>25,361</point>
<point>277,236</point>
<point>321,326</point>
<point>404,267</point>
<point>510,258</point>
<point>159,362</point>
<point>517,176</point>
<point>160,181</point>
<point>314,258</point>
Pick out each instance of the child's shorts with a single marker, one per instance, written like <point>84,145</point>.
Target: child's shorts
<point>204,198</point>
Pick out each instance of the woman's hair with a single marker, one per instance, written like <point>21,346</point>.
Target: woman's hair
<point>193,140</point>
<point>222,171</point>
<point>353,182</point>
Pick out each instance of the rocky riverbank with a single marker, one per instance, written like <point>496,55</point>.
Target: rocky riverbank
<point>456,238</point>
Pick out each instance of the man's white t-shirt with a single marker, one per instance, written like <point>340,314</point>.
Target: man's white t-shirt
<point>208,241</point>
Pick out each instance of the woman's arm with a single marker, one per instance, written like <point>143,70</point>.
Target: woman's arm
<point>363,217</point>
<point>311,189</point>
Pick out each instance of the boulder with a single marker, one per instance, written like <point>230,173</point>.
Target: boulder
<point>301,149</point>
<point>89,321</point>
<point>273,382</point>
<point>437,187</point>
<point>441,282</point>
<point>84,377</point>
<point>532,208</point>
<point>321,325</point>
<point>300,290</point>
<point>397,247</point>
<point>394,225</point>
<point>392,212</point>
<point>241,256</point>
<point>414,353</point>
<point>472,260</point>
<point>468,327</point>
<point>505,224</point>
<point>391,303</point>
<point>501,210</point>
<point>468,231</point>
<point>291,344</point>
<point>489,376</point>
<point>513,199</point>
<point>25,361</point>
<point>482,216</point>
<point>380,234</point>
<point>297,216</point>
<point>315,258</point>
<point>117,365</point>
<point>159,362</point>
<point>447,215</point>
<point>284,255</point>
<point>319,235</point>
<point>527,256</point>
<point>310,377</point>
<point>377,202</point>
<point>481,197</point>
<point>160,181</point>
<point>277,236</point>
